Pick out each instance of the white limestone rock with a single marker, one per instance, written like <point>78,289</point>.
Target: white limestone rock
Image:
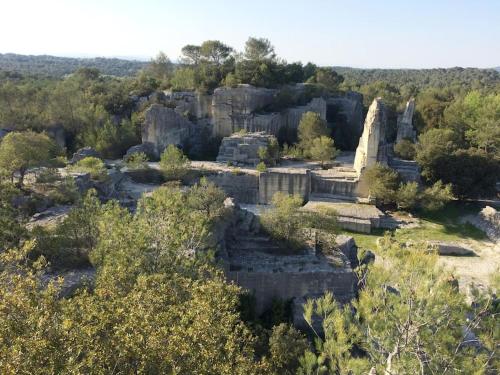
<point>371,144</point>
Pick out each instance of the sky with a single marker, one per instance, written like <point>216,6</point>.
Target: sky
<point>357,33</point>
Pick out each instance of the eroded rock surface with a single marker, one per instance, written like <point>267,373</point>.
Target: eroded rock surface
<point>163,126</point>
<point>405,123</point>
<point>371,148</point>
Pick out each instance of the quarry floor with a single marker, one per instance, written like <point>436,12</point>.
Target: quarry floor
<point>481,270</point>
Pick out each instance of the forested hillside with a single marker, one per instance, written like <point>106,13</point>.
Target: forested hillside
<point>423,78</point>
<point>55,66</point>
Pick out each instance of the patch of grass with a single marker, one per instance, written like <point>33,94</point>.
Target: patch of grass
<point>443,225</point>
<point>363,240</point>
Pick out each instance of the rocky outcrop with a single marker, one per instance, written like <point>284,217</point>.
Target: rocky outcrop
<point>196,105</point>
<point>233,108</point>
<point>345,116</point>
<point>243,148</point>
<point>488,220</point>
<point>405,123</point>
<point>372,145</point>
<point>163,126</point>
<point>49,218</point>
<point>243,107</point>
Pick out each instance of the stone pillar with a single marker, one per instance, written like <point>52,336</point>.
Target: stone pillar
<point>405,123</point>
<point>371,144</point>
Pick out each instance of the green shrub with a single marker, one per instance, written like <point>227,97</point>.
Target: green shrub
<point>92,165</point>
<point>293,152</point>
<point>407,196</point>
<point>261,167</point>
<point>173,163</point>
<point>48,175</point>
<point>436,197</point>
<point>405,149</point>
<point>383,183</point>
<point>137,160</point>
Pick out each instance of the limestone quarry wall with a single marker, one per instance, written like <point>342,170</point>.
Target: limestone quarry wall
<point>164,126</point>
<point>293,182</point>
<point>244,188</point>
<point>267,286</point>
<point>241,107</point>
<point>197,105</point>
<point>320,185</point>
<point>233,107</point>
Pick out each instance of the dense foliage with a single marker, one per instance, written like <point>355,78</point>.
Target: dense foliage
<point>409,319</point>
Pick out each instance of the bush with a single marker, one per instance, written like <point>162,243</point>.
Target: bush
<point>173,163</point>
<point>435,197</point>
<point>311,126</point>
<point>92,165</point>
<point>261,167</point>
<point>405,149</point>
<point>407,196</point>
<point>293,152</point>
<point>323,150</point>
<point>110,140</point>
<point>383,183</point>
<point>48,175</point>
<point>137,160</point>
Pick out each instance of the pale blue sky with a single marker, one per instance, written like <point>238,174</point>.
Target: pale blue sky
<point>384,33</point>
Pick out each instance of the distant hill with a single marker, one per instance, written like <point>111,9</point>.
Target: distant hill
<point>54,66</point>
<point>421,78</point>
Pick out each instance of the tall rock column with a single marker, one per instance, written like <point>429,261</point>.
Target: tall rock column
<point>405,123</point>
<point>371,144</point>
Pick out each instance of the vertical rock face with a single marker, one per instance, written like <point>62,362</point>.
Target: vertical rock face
<point>345,114</point>
<point>196,104</point>
<point>371,148</point>
<point>405,123</point>
<point>238,108</point>
<point>164,126</point>
<point>234,108</point>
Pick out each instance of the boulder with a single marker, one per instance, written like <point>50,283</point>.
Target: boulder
<point>488,220</point>
<point>451,248</point>
<point>49,218</point>
<point>347,246</point>
<point>83,153</point>
<point>147,148</point>
<point>368,258</point>
<point>72,280</point>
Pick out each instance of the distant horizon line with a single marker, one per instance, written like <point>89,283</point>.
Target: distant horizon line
<point>145,59</point>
